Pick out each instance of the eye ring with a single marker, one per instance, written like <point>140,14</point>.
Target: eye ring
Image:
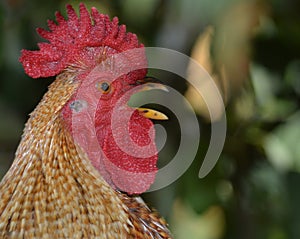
<point>103,86</point>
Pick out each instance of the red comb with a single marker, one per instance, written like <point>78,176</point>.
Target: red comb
<point>68,38</point>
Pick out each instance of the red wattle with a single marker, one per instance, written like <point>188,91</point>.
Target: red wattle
<point>129,170</point>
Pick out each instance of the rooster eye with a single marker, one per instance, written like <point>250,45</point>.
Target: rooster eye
<point>103,86</point>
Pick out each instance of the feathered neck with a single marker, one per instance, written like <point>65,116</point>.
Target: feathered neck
<point>53,190</point>
<point>51,187</point>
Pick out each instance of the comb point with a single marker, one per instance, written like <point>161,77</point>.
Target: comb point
<point>69,38</point>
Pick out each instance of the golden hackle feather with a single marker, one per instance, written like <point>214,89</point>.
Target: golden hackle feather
<point>52,190</point>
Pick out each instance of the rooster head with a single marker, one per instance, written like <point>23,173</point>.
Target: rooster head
<point>109,65</point>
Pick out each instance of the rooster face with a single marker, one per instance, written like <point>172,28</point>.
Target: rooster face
<point>118,139</point>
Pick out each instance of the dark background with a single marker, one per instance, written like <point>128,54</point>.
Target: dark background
<point>252,50</point>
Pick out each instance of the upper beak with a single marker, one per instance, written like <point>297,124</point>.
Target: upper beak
<point>150,83</point>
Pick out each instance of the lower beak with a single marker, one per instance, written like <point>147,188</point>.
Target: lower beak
<point>146,84</point>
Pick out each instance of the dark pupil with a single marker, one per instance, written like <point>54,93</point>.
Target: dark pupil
<point>105,86</point>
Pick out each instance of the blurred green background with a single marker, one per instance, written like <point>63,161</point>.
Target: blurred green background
<point>252,50</point>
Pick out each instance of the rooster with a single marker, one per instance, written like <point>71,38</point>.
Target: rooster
<point>85,155</point>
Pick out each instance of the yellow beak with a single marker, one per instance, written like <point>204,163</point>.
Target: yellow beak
<point>150,83</point>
